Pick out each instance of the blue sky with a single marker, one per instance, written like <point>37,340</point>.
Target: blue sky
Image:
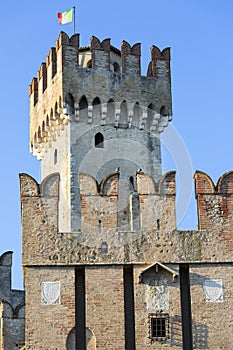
<point>199,33</point>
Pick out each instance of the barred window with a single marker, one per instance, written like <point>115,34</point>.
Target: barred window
<point>159,326</point>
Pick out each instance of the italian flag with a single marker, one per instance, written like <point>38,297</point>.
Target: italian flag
<point>65,17</point>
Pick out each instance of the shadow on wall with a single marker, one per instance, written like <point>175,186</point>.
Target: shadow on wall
<point>200,333</point>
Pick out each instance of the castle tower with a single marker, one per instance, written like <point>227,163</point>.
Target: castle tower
<point>92,112</point>
<point>104,266</point>
<point>95,125</point>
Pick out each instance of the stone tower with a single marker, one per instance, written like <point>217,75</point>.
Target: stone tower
<point>95,123</point>
<point>104,266</point>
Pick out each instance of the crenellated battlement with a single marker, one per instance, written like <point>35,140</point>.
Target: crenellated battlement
<point>215,204</point>
<point>97,85</point>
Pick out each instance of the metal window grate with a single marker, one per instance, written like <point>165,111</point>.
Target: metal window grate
<point>159,326</point>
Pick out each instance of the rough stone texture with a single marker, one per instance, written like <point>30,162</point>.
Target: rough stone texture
<point>12,313</point>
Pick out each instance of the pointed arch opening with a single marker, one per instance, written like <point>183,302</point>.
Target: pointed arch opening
<point>124,112</point>
<point>110,117</point>
<point>96,113</point>
<point>83,108</point>
<point>137,112</point>
<point>99,140</point>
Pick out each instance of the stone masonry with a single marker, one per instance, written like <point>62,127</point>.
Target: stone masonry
<point>104,264</point>
<point>12,308</point>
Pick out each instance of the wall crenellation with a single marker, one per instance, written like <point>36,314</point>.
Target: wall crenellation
<point>215,204</point>
<point>56,99</point>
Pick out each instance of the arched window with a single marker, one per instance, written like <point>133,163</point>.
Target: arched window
<point>99,140</point>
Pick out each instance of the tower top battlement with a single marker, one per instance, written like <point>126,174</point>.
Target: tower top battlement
<point>98,84</point>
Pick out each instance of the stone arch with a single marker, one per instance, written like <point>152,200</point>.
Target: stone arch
<point>39,135</point>
<point>50,117</point>
<point>69,100</point>
<point>99,140</point>
<point>90,340</point>
<point>47,123</point>
<point>43,129</point>
<point>137,112</point>
<point>124,112</point>
<point>96,113</point>
<point>110,117</point>
<point>164,111</point>
<point>83,109</point>
<point>150,117</point>
<point>19,311</point>
<point>7,309</point>
<point>116,67</point>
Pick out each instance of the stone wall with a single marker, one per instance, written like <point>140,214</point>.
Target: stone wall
<point>12,307</point>
<point>50,311</point>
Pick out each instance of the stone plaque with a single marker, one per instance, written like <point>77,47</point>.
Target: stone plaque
<point>157,295</point>
<point>50,293</point>
<point>213,290</point>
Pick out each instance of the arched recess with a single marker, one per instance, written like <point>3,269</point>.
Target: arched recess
<point>96,113</point>
<point>137,112</point>
<point>116,67</point>
<point>150,117</point>
<point>56,110</point>
<point>124,112</point>
<point>110,116</point>
<point>83,109</point>
<point>90,340</point>
<point>47,122</point>
<point>164,111</point>
<point>43,129</point>
<point>69,100</point>
<point>39,135</point>
<point>20,311</point>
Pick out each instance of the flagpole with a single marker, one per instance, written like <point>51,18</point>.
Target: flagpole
<point>74,20</point>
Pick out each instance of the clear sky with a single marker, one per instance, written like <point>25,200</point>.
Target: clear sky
<point>199,33</point>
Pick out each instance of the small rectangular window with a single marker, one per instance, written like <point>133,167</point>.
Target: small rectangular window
<point>159,326</point>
